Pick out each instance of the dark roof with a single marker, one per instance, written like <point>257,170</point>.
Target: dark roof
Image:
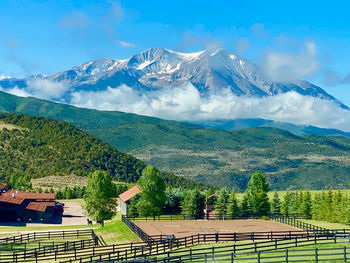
<point>130,193</point>
<point>17,197</point>
<point>40,206</point>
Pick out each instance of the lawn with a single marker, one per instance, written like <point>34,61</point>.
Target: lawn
<point>325,224</point>
<point>115,231</point>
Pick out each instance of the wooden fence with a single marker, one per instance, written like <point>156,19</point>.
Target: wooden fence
<point>286,255</point>
<point>235,249</point>
<point>35,236</point>
<point>276,241</point>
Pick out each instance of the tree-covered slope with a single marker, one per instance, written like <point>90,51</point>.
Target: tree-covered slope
<point>37,147</point>
<point>224,158</point>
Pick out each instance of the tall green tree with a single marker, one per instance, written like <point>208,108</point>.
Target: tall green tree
<point>193,204</point>
<point>258,201</point>
<point>100,201</point>
<point>220,207</point>
<point>276,204</point>
<point>306,205</point>
<point>232,206</point>
<point>152,196</point>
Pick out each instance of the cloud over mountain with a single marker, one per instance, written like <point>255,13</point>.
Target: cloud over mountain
<point>206,85</point>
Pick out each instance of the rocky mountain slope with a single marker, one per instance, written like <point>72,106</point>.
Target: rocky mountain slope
<point>158,68</point>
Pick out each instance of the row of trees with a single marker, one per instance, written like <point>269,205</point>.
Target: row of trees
<point>155,199</point>
<point>331,206</point>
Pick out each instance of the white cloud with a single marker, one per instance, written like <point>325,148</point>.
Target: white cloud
<point>185,103</point>
<point>46,89</point>
<point>16,91</point>
<point>40,88</point>
<point>126,44</point>
<point>2,76</point>
<point>290,67</point>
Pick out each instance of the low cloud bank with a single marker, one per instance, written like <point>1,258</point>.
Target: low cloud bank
<point>185,103</point>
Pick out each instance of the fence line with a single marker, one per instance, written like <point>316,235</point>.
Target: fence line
<point>34,236</point>
<point>166,247</point>
<point>235,249</point>
<point>317,254</point>
<point>137,230</point>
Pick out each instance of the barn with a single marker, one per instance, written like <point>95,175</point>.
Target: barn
<point>22,206</point>
<point>125,198</point>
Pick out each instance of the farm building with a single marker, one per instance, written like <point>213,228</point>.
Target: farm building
<point>22,206</point>
<point>126,197</point>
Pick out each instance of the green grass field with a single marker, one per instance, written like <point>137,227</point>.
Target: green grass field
<point>116,231</point>
<point>324,224</point>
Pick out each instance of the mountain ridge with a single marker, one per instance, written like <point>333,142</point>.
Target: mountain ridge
<point>158,68</point>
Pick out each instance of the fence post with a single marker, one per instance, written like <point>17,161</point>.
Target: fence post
<point>232,257</point>
<point>316,255</point>
<point>259,257</point>
<point>287,255</point>
<point>345,254</point>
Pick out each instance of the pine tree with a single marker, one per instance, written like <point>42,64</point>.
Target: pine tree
<point>232,206</point>
<point>193,204</point>
<point>220,207</point>
<point>276,204</point>
<point>245,209</point>
<point>286,203</point>
<point>306,205</point>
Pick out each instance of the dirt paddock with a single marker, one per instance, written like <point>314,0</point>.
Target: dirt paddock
<point>187,228</point>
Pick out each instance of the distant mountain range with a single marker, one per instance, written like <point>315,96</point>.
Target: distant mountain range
<point>251,123</point>
<point>219,157</point>
<point>157,68</point>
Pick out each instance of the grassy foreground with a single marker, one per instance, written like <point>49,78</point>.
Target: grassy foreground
<point>115,231</point>
<point>325,224</point>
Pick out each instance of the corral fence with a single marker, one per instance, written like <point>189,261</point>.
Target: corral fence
<point>215,251</point>
<point>286,255</point>
<point>274,240</point>
<point>36,245</point>
<point>137,230</point>
<point>35,236</point>
<point>292,221</point>
<point>189,217</point>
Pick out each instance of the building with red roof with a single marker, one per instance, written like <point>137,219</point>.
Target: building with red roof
<point>22,206</point>
<point>126,197</point>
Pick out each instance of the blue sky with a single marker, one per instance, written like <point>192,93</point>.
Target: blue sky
<point>51,36</point>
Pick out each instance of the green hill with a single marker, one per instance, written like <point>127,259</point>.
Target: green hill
<point>224,158</point>
<point>33,147</point>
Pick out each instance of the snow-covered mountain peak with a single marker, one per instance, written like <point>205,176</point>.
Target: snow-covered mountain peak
<point>159,68</point>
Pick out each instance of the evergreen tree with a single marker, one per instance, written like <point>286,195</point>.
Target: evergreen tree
<point>193,204</point>
<point>245,209</point>
<point>276,204</point>
<point>286,204</point>
<point>232,206</point>
<point>220,207</point>
<point>306,205</point>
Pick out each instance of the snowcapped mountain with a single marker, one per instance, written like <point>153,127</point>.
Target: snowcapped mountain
<point>158,68</point>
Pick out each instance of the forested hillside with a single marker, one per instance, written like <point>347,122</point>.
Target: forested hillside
<point>223,158</point>
<point>32,147</point>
